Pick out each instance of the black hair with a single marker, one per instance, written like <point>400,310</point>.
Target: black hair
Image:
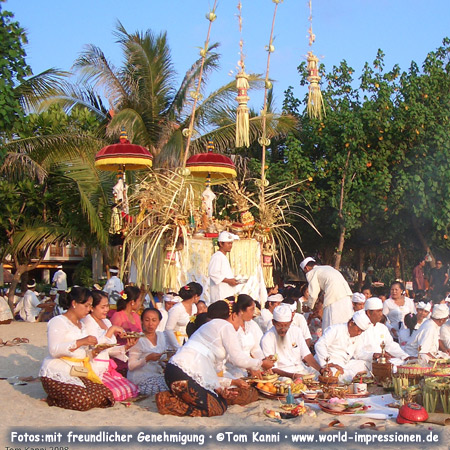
<point>244,301</point>
<point>221,309</point>
<point>77,294</point>
<point>258,305</point>
<point>200,319</point>
<point>303,289</point>
<point>187,292</point>
<point>97,297</point>
<point>410,321</point>
<point>146,310</point>
<point>402,286</point>
<point>196,287</point>
<point>132,293</point>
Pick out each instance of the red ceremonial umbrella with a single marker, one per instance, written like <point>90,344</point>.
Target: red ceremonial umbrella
<point>123,156</point>
<point>211,165</point>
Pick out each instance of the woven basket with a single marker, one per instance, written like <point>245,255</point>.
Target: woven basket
<point>381,371</point>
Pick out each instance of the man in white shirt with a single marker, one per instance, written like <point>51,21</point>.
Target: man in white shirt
<point>287,342</point>
<point>60,279</point>
<point>222,280</point>
<point>425,345</point>
<point>337,303</point>
<point>113,286</point>
<point>265,319</point>
<point>368,345</point>
<point>31,306</point>
<point>337,346</point>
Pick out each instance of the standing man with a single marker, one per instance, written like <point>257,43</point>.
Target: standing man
<point>438,280</point>
<point>222,281</point>
<point>113,286</point>
<point>419,277</point>
<point>31,306</point>
<point>337,302</point>
<point>60,279</point>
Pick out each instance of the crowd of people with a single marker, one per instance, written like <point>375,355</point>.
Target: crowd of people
<point>112,345</point>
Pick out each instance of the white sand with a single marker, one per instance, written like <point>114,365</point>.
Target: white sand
<point>22,407</point>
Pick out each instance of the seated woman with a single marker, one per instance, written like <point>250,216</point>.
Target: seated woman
<point>66,375</point>
<point>196,389</point>
<point>127,317</point>
<point>179,316</point>
<point>144,368</point>
<point>98,325</point>
<point>249,336</point>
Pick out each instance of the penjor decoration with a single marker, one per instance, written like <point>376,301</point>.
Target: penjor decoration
<point>242,116</point>
<point>315,101</point>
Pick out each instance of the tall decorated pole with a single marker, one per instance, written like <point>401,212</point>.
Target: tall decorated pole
<point>264,141</point>
<point>187,132</point>
<point>242,112</point>
<point>315,106</point>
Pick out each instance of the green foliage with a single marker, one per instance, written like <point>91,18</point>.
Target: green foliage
<point>13,69</point>
<point>82,275</point>
<point>378,164</point>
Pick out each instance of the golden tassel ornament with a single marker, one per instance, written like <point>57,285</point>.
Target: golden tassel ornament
<point>315,105</point>
<point>242,112</point>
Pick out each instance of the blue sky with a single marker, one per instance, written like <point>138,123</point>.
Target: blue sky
<point>353,30</point>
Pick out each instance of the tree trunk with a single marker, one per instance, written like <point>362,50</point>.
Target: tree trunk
<point>343,228</point>
<point>361,255</point>
<point>22,269</point>
<point>422,240</point>
<point>337,261</point>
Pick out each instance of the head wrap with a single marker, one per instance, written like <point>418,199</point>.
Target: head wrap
<point>282,313</point>
<point>31,284</point>
<point>111,270</point>
<point>226,236</point>
<point>53,291</point>
<point>275,298</point>
<point>373,303</point>
<point>357,297</point>
<point>361,320</point>
<point>440,311</point>
<point>306,261</point>
<point>172,298</point>
<point>423,305</point>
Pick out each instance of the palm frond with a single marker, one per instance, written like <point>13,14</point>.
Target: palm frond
<point>37,88</point>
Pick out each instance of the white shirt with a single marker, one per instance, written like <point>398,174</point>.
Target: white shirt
<point>140,370</point>
<point>176,324</point>
<point>330,281</point>
<point>204,354</point>
<point>219,268</point>
<point>5,311</point>
<point>336,344</point>
<point>30,311</point>
<point>60,280</point>
<point>395,314</point>
<point>370,342</point>
<point>249,338</point>
<point>113,288</point>
<point>163,321</point>
<point>100,364</point>
<point>444,334</point>
<point>300,321</point>
<point>62,335</point>
<point>265,320</point>
<point>290,351</point>
<point>427,338</point>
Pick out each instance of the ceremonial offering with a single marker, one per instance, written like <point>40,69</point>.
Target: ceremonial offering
<point>132,335</point>
<point>292,411</point>
<point>102,347</point>
<point>436,391</point>
<point>381,371</point>
<point>341,406</point>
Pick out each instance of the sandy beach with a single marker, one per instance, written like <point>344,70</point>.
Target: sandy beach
<point>139,425</point>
